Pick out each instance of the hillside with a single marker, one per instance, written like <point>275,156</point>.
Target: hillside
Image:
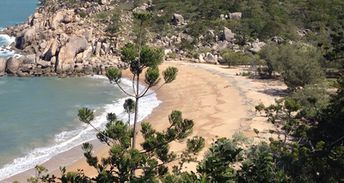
<point>198,29</point>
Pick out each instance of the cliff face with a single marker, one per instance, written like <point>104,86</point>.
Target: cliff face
<point>63,38</point>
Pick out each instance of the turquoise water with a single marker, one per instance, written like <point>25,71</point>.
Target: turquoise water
<point>42,112</point>
<point>33,110</point>
<point>15,11</point>
<point>38,116</point>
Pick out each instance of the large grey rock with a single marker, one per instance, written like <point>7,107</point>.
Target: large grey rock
<point>29,59</point>
<point>65,16</point>
<point>211,59</point>
<point>178,19</point>
<point>235,16</point>
<point>25,38</point>
<point>43,64</point>
<point>13,64</point>
<point>98,48</point>
<point>228,35</point>
<point>2,66</point>
<point>257,46</point>
<point>50,50</point>
<point>66,57</point>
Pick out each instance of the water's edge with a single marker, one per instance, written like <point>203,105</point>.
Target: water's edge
<point>68,140</point>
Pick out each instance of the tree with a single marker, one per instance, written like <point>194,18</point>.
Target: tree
<point>260,166</point>
<point>216,166</point>
<point>232,58</point>
<point>270,54</point>
<point>313,151</point>
<point>129,107</point>
<point>141,57</point>
<point>123,160</point>
<point>298,64</point>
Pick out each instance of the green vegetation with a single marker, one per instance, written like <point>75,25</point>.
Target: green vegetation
<point>139,57</point>
<point>305,148</point>
<point>298,64</point>
<point>318,22</point>
<point>307,143</point>
<point>232,58</point>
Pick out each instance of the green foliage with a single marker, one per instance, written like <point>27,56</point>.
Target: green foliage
<point>170,74</point>
<point>270,54</point>
<point>85,115</point>
<point>309,147</point>
<point>232,58</point>
<point>312,99</point>
<point>114,25</point>
<point>216,164</point>
<point>151,57</point>
<point>114,74</point>
<point>306,148</point>
<point>152,160</point>
<point>129,53</point>
<point>260,166</point>
<point>129,105</point>
<point>152,76</point>
<point>298,64</point>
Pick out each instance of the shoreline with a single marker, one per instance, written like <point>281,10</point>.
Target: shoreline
<point>74,152</point>
<point>220,103</point>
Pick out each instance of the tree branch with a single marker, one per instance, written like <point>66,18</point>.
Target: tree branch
<point>154,90</point>
<point>101,133</point>
<point>120,87</point>
<point>145,91</point>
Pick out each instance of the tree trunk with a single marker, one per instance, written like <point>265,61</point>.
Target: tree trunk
<point>136,110</point>
<point>128,119</point>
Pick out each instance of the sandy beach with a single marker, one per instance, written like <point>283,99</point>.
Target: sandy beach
<point>220,103</point>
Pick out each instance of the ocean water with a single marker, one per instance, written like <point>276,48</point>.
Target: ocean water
<point>38,116</point>
<point>13,12</point>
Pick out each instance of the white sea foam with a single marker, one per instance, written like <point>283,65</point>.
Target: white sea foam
<point>5,42</point>
<point>68,139</point>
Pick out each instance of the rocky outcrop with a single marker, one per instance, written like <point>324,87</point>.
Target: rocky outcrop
<point>62,39</point>
<point>66,57</point>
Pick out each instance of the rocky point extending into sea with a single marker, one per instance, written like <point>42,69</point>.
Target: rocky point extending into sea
<point>59,40</point>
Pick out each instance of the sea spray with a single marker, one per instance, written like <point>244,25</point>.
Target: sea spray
<point>5,42</point>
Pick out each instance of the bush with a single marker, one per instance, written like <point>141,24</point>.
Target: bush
<point>232,58</point>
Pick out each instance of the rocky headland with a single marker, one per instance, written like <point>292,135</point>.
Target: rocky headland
<point>83,37</point>
<point>61,39</point>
